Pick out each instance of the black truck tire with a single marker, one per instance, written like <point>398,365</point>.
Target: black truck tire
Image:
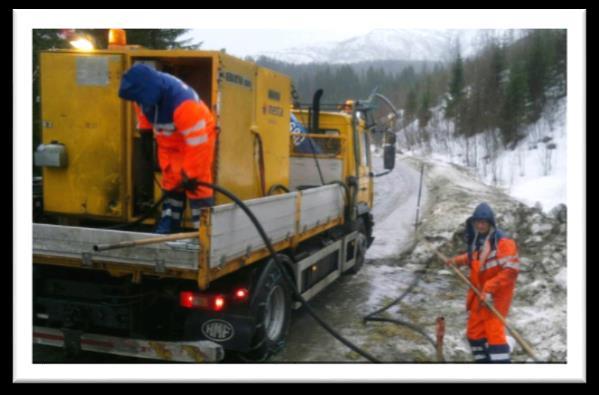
<point>271,305</point>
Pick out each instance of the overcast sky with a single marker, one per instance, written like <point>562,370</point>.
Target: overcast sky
<point>247,32</point>
<point>242,42</point>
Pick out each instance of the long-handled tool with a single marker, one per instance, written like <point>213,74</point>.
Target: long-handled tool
<point>440,334</point>
<point>514,333</point>
<point>150,240</point>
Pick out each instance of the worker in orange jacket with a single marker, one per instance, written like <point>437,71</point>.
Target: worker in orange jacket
<point>184,130</point>
<point>494,265</point>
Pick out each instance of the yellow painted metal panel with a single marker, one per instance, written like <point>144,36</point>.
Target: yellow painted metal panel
<point>342,122</point>
<point>236,159</point>
<point>81,109</point>
<point>273,100</point>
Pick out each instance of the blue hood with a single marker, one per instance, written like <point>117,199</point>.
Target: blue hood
<point>482,211</point>
<point>143,85</point>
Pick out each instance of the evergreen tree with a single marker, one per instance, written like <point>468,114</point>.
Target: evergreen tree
<point>411,107</point>
<point>514,107</point>
<point>454,108</point>
<point>424,112</point>
<point>148,38</point>
<point>537,74</point>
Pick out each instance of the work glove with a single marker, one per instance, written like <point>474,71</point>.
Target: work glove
<point>487,297</point>
<point>190,184</point>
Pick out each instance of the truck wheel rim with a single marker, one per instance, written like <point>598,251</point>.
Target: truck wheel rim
<point>275,313</point>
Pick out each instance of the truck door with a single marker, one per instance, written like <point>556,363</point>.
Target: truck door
<point>82,111</point>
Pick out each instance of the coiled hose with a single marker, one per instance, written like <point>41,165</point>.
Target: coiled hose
<point>373,316</point>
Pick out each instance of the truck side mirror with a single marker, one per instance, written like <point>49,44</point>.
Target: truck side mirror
<point>388,154</point>
<point>389,157</point>
<point>389,151</point>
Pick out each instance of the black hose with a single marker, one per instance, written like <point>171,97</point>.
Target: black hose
<point>415,328</point>
<point>371,316</point>
<point>316,160</point>
<point>348,199</point>
<point>276,258</point>
<point>382,174</point>
<point>139,220</point>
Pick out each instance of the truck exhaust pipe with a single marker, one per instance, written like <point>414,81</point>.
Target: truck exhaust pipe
<point>315,126</point>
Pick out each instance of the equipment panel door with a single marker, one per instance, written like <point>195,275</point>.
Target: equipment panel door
<point>81,110</point>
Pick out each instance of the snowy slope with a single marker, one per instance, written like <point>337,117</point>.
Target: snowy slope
<point>534,171</point>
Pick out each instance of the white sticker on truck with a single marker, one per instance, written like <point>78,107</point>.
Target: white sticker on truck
<point>218,330</point>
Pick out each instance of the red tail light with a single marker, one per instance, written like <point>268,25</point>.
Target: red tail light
<point>214,302</point>
<point>193,300</point>
<point>186,299</point>
<point>241,294</point>
<point>218,303</point>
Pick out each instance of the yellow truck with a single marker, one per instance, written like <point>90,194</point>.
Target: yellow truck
<point>191,300</point>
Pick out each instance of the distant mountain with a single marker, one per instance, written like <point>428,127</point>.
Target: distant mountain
<point>384,44</point>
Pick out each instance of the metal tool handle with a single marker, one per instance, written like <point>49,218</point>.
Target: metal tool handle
<point>440,332</point>
<point>150,240</point>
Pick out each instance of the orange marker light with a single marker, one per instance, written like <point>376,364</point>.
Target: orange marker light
<point>117,37</point>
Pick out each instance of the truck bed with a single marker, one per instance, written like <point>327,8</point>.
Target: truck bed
<point>227,238</point>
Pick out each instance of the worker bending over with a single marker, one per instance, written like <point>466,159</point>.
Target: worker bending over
<point>185,135</point>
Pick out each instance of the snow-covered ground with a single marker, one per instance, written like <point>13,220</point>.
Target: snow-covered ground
<point>541,288</point>
<point>534,171</point>
<point>542,241</point>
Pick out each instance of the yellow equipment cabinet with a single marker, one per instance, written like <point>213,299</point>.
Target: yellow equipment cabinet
<point>82,111</point>
<point>272,121</point>
<point>104,176</point>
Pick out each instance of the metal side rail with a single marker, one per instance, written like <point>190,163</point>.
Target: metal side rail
<point>57,241</point>
<point>196,352</point>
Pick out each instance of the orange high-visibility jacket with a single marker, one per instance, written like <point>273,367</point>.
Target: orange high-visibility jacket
<point>496,275</point>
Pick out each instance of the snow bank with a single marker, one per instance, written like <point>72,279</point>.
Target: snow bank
<point>539,308</point>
